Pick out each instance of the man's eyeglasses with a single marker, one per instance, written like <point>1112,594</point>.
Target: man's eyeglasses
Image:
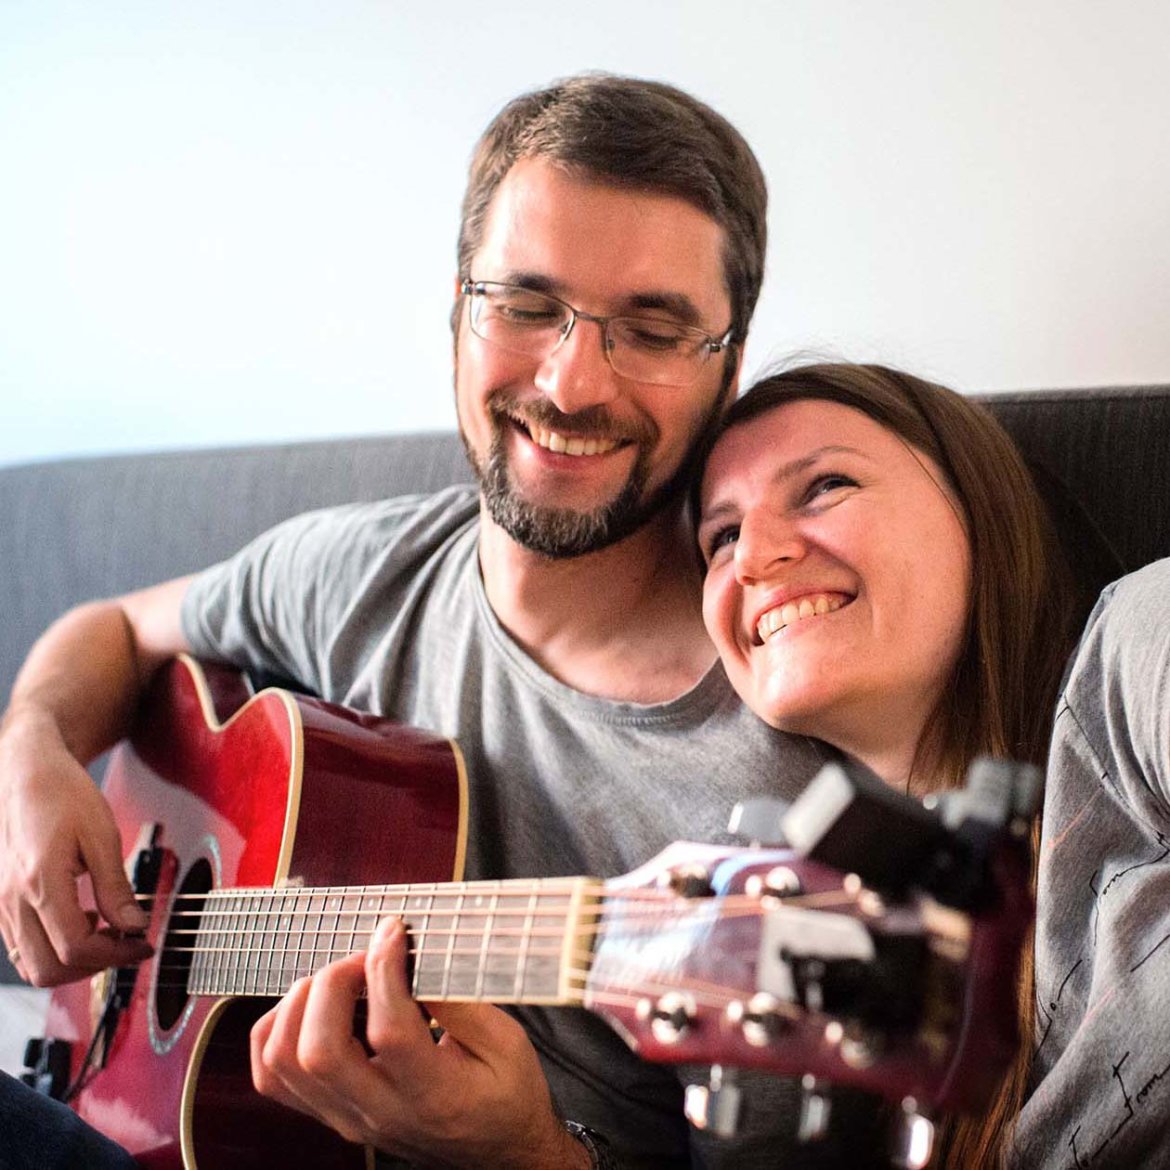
<point>645,349</point>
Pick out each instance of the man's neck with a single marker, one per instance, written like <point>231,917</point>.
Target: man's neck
<point>623,623</point>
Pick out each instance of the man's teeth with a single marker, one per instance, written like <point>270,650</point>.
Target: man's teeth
<point>813,605</point>
<point>570,445</point>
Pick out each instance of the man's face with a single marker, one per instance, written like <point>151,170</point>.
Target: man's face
<point>570,455</point>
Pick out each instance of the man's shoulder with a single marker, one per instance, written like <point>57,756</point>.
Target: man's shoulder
<point>422,519</point>
<point>453,505</point>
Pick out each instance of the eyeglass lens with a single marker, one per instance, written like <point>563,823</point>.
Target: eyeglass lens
<point>645,349</point>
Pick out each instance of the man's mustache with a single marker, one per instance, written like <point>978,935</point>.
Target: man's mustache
<point>593,421</point>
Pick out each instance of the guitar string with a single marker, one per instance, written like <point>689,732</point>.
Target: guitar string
<point>653,902</point>
<point>438,943</point>
<point>652,905</point>
<point>258,906</point>
<point>350,924</point>
<point>305,953</point>
<point>703,993</point>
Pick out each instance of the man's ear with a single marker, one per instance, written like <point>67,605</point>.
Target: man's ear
<point>739,347</point>
<point>731,385</point>
<point>456,305</point>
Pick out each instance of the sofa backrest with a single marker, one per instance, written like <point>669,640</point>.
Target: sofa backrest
<point>77,529</point>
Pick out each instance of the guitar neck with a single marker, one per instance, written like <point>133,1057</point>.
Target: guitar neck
<point>500,942</point>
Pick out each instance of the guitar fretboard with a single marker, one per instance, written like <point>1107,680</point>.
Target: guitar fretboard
<point>501,942</point>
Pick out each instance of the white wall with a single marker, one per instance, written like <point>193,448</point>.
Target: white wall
<point>232,222</point>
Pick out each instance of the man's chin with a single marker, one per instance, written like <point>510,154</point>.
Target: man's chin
<point>559,533</point>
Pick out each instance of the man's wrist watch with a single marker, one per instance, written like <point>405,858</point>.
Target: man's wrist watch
<point>601,1156</point>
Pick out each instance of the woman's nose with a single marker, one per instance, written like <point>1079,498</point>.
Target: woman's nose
<point>767,541</point>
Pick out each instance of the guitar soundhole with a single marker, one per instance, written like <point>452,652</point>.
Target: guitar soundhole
<point>178,946</point>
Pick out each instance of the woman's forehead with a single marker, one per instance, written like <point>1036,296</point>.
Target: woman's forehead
<point>795,434</point>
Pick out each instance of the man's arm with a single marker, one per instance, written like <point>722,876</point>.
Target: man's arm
<point>74,698</point>
<point>476,1098</point>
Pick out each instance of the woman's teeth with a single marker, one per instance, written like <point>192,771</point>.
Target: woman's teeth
<point>784,615</point>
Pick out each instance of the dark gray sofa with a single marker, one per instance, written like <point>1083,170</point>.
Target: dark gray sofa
<point>77,529</point>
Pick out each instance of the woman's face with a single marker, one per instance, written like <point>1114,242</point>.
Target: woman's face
<point>838,576</point>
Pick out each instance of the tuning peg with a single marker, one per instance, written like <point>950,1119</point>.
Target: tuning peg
<point>760,1019</point>
<point>913,1138</point>
<point>757,821</point>
<point>816,1107</point>
<point>691,880</point>
<point>715,1106</point>
<point>669,1017</point>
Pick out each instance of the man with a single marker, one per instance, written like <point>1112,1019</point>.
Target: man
<point>610,257</point>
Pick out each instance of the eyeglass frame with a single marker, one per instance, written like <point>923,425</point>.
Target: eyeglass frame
<point>712,345</point>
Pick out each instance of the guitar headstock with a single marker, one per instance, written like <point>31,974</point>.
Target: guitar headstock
<point>875,947</point>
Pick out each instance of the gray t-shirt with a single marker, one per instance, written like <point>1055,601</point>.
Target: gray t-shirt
<point>381,607</point>
<point>1102,1066</point>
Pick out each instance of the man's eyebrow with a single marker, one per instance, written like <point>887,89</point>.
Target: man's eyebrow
<point>535,281</point>
<point>675,304</point>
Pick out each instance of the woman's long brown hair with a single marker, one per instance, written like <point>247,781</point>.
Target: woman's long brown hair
<point>1019,630</point>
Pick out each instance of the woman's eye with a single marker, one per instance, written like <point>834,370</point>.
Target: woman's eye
<point>825,484</point>
<point>722,538</point>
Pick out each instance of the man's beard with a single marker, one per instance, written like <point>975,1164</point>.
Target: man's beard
<point>559,533</point>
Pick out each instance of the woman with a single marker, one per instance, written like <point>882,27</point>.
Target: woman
<point>881,575</point>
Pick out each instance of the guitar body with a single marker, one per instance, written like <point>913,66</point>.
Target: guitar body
<point>268,835</point>
<point>243,791</point>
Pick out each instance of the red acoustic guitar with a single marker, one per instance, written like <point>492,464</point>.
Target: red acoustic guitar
<point>263,828</point>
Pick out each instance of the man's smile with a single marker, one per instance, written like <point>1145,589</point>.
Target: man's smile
<point>564,442</point>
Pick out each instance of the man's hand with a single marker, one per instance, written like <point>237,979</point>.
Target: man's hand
<point>476,1098</point>
<point>55,826</point>
<point>74,697</point>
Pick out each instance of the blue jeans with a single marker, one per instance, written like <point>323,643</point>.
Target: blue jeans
<point>38,1133</point>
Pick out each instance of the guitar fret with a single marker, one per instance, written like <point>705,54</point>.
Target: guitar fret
<point>195,973</point>
<point>249,948</point>
<point>235,943</point>
<point>419,930</point>
<point>271,921</point>
<point>485,944</point>
<point>297,920</point>
<point>314,920</point>
<point>369,911</point>
<point>451,936</point>
<point>332,946</point>
<point>525,943</point>
<point>242,944</point>
<point>282,930</point>
<point>215,945</point>
<point>353,921</point>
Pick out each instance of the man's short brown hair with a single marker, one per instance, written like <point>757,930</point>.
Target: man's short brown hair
<point>641,134</point>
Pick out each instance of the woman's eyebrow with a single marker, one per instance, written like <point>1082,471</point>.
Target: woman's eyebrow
<point>783,473</point>
<point>718,512</point>
<point>795,467</point>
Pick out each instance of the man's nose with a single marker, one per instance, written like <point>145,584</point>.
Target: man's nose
<point>577,374</point>
<point>768,541</point>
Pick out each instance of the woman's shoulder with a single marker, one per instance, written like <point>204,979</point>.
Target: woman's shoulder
<point>1120,676</point>
<point>1144,587</point>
